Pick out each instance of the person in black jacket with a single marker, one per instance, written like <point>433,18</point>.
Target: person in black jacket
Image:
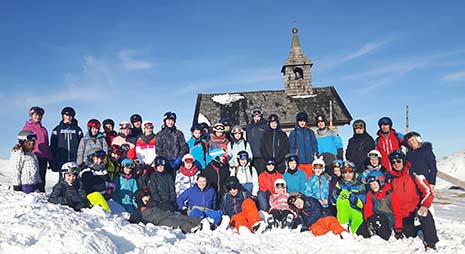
<point>171,143</point>
<point>217,171</point>
<point>254,134</point>
<point>136,121</point>
<point>68,192</point>
<point>149,211</point>
<point>421,156</point>
<point>359,145</point>
<point>161,186</point>
<point>64,140</point>
<point>275,144</point>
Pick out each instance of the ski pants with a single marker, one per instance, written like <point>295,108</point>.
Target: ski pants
<point>377,224</point>
<point>216,215</point>
<point>346,214</point>
<point>427,225</point>
<point>247,217</point>
<point>326,224</point>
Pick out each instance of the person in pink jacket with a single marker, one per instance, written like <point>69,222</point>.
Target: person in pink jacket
<point>281,215</point>
<point>41,148</point>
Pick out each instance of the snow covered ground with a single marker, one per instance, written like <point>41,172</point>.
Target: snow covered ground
<point>29,224</point>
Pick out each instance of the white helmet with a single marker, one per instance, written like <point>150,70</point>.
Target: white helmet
<point>374,153</point>
<point>70,168</point>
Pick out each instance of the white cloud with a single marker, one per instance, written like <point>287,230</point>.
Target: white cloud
<point>456,76</point>
<point>127,57</point>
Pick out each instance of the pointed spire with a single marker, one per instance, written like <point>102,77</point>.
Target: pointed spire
<point>297,55</point>
<point>295,39</point>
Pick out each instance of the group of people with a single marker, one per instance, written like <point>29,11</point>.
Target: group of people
<point>256,177</point>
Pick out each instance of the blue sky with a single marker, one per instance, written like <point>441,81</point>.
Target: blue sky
<point>115,58</point>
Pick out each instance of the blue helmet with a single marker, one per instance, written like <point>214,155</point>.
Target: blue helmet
<point>376,175</point>
<point>385,120</point>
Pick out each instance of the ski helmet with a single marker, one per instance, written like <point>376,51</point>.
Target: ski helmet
<point>219,127</point>
<point>359,124</point>
<point>398,154</point>
<point>413,134</point>
<point>374,153</point>
<point>320,118</point>
<point>337,163</point>
<point>280,183</point>
<point>293,158</point>
<point>128,163</point>
<point>256,111</point>
<point>242,155</point>
<point>70,168</point>
<point>26,135</point>
<point>376,175</point>
<point>135,118</point>
<point>110,122</point>
<point>188,158</point>
<point>36,110</point>
<point>93,123</point>
<point>385,121</point>
<point>169,115</point>
<point>347,166</point>
<point>301,116</point>
<point>68,111</point>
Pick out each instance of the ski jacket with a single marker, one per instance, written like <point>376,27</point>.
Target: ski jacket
<point>384,202</point>
<point>89,143</point>
<point>358,148</point>
<point>236,146</point>
<point>279,202</point>
<point>109,136</point>
<point>70,195</point>
<point>122,139</point>
<point>218,142</point>
<point>194,197</point>
<point>266,181</point>
<point>217,174</point>
<point>199,149</point>
<point>355,187</point>
<point>246,174</point>
<point>64,143</point>
<point>303,144</point>
<point>96,181</point>
<point>328,142</point>
<point>295,180</point>
<point>311,212</point>
<point>171,143</point>
<point>125,187</point>
<point>145,148</point>
<point>387,144</point>
<point>41,149</point>
<point>24,167</point>
<point>185,179</point>
<point>232,205</point>
<point>412,190</point>
<point>318,187</point>
<point>161,185</point>
<point>254,134</point>
<point>424,162</point>
<point>275,145</point>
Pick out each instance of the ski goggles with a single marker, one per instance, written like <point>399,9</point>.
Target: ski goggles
<point>148,125</point>
<point>129,165</point>
<point>159,162</point>
<point>98,154</point>
<point>336,164</point>
<point>125,125</point>
<point>257,112</point>
<point>280,185</point>
<point>72,170</point>
<point>32,137</point>
<point>359,125</point>
<point>373,155</point>
<point>347,170</point>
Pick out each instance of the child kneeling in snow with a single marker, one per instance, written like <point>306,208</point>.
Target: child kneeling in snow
<point>311,216</point>
<point>280,212</point>
<point>67,191</point>
<point>148,212</point>
<point>239,206</point>
<point>200,200</point>
<point>125,186</point>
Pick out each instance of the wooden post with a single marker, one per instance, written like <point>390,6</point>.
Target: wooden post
<point>407,124</point>
<point>331,114</point>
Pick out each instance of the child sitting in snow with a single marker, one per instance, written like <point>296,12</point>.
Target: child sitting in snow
<point>148,212</point>
<point>246,173</point>
<point>317,185</point>
<point>67,192</point>
<point>187,174</point>
<point>125,186</point>
<point>280,212</point>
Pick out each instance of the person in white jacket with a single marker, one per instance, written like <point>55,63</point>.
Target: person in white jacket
<point>237,144</point>
<point>246,173</point>
<point>25,175</point>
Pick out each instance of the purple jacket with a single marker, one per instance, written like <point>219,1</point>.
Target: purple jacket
<point>42,148</point>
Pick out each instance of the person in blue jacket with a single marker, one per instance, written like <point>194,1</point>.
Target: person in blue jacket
<point>198,147</point>
<point>126,186</point>
<point>303,143</point>
<point>329,143</point>
<point>294,176</point>
<point>317,186</point>
<point>200,201</point>
<point>421,155</point>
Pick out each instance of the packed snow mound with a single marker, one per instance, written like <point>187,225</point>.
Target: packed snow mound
<point>29,224</point>
<point>227,98</point>
<point>453,165</point>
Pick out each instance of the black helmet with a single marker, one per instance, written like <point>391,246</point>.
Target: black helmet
<point>169,115</point>
<point>108,121</point>
<point>231,183</point>
<point>359,123</point>
<point>226,121</point>
<point>301,116</point>
<point>135,118</point>
<point>293,158</point>
<point>413,134</point>
<point>196,127</point>
<point>243,155</point>
<point>320,118</point>
<point>398,154</point>
<point>385,120</point>
<point>68,111</point>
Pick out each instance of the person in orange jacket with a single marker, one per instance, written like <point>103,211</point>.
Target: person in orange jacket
<point>266,184</point>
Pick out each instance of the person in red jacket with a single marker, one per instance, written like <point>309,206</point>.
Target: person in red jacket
<point>415,196</point>
<point>266,184</point>
<point>382,209</point>
<point>388,141</point>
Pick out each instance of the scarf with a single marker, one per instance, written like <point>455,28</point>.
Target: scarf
<point>188,172</point>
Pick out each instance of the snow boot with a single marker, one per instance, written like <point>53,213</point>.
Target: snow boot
<point>270,222</point>
<point>288,222</point>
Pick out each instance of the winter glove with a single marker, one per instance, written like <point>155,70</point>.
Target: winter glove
<point>398,234</point>
<point>17,188</point>
<point>176,163</point>
<point>345,194</point>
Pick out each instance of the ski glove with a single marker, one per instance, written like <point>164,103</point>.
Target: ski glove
<point>17,188</point>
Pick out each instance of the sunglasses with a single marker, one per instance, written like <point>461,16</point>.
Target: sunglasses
<point>280,185</point>
<point>129,165</point>
<point>398,161</point>
<point>318,166</point>
<point>229,187</point>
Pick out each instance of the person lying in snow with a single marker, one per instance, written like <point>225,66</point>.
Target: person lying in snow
<point>68,192</point>
<point>148,212</point>
<point>311,216</point>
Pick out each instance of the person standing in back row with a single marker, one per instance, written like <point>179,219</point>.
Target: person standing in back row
<point>170,142</point>
<point>360,144</point>
<point>303,143</point>
<point>275,144</point>
<point>254,134</point>
<point>65,140</point>
<point>41,149</point>
<point>388,141</point>
<point>329,143</point>
<point>136,121</point>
